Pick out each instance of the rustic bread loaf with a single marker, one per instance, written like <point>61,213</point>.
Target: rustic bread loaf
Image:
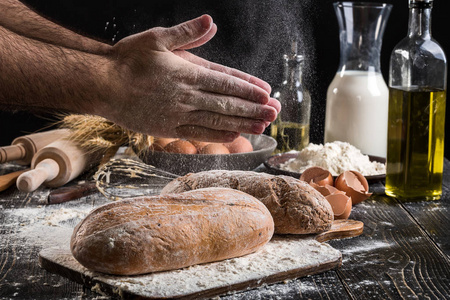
<point>296,207</point>
<point>149,234</point>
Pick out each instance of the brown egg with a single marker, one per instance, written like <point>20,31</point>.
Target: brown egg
<point>156,147</point>
<point>326,189</point>
<point>199,145</point>
<point>341,205</point>
<point>318,175</point>
<point>180,146</point>
<point>159,143</point>
<point>214,148</point>
<point>239,145</point>
<point>354,184</point>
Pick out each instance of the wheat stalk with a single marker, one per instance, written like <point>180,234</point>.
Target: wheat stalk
<point>99,135</point>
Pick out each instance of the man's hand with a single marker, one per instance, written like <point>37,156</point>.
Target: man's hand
<point>160,89</point>
<point>147,82</point>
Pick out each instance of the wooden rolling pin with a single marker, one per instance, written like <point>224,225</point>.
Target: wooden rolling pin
<point>55,165</point>
<point>23,148</point>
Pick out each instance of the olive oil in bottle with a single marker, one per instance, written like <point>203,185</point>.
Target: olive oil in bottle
<point>415,143</point>
<point>291,128</point>
<point>416,120</point>
<point>290,135</point>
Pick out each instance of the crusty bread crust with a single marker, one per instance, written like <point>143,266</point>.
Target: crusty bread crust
<point>149,234</point>
<point>296,207</point>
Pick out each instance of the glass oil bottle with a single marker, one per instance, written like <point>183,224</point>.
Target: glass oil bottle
<point>291,128</point>
<point>416,120</point>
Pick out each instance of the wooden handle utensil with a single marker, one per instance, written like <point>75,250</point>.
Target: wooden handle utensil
<point>341,229</point>
<point>45,170</point>
<point>9,179</point>
<point>55,165</point>
<point>69,193</point>
<point>23,148</point>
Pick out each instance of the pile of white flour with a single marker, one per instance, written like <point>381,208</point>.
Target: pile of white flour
<point>336,157</point>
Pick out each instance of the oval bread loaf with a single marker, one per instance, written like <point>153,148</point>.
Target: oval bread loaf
<point>296,207</point>
<point>149,234</point>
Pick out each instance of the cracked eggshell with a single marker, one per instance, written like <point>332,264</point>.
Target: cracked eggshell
<point>318,175</point>
<point>326,189</point>
<point>354,184</point>
<point>341,205</point>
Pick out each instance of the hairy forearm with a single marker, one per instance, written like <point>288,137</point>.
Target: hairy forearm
<point>37,75</point>
<point>144,79</point>
<point>20,19</point>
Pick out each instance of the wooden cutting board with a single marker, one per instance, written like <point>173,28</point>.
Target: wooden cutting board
<point>283,258</point>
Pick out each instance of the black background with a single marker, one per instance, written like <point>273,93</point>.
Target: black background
<point>252,36</point>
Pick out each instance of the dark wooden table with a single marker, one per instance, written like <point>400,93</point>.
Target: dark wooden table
<point>403,253</point>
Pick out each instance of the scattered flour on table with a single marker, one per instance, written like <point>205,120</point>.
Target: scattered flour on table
<point>336,157</point>
<point>280,255</point>
<point>43,226</point>
<point>367,246</point>
<point>50,226</point>
<point>64,215</point>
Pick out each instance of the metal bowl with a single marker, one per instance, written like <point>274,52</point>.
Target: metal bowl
<point>182,164</point>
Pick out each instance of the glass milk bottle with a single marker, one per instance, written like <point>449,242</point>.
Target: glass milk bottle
<point>417,92</point>
<point>357,98</point>
<point>291,128</point>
